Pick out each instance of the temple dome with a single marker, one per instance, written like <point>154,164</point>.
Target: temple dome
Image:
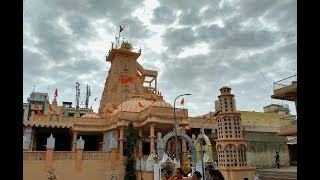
<point>90,114</point>
<point>161,103</point>
<point>132,105</point>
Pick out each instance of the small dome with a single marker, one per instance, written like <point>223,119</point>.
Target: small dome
<point>91,114</point>
<point>161,103</point>
<point>132,105</point>
<point>225,87</point>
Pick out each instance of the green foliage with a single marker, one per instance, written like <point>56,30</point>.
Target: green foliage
<point>131,138</point>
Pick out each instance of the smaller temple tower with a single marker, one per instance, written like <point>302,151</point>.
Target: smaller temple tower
<point>231,147</point>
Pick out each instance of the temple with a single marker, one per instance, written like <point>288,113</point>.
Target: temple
<point>64,142</point>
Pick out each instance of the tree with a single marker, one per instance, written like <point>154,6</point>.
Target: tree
<point>131,138</point>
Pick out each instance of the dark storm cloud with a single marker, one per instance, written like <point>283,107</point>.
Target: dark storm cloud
<point>31,60</point>
<point>53,43</point>
<point>183,5</point>
<point>135,29</point>
<point>176,39</point>
<point>80,67</point>
<point>163,15</point>
<point>190,17</point>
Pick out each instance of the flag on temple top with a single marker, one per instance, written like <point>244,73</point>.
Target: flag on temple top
<point>121,28</point>
<point>36,106</point>
<point>56,93</point>
<point>108,111</point>
<point>140,105</point>
<point>182,101</point>
<point>138,75</point>
<point>39,112</point>
<point>115,107</point>
<point>50,108</point>
<point>152,98</point>
<point>62,108</point>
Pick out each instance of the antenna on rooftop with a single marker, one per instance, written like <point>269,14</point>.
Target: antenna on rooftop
<point>77,93</point>
<point>88,94</point>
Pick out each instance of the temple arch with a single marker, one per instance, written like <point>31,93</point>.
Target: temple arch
<point>161,144</point>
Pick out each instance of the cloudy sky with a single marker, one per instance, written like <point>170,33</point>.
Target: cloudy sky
<point>187,42</point>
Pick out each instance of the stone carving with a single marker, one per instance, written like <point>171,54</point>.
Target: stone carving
<point>80,143</point>
<point>113,143</point>
<point>52,175</point>
<point>143,165</point>
<point>138,164</point>
<point>154,157</point>
<point>26,143</point>
<point>50,142</point>
<point>149,163</point>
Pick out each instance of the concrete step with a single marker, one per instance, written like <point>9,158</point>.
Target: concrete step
<point>276,178</point>
<point>276,175</point>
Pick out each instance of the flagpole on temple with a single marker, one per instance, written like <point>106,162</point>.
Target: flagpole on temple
<point>119,37</point>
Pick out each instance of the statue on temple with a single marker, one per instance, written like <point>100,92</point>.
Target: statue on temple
<point>154,157</point>
<point>186,167</point>
<point>52,175</point>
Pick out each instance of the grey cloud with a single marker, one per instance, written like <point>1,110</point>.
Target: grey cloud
<point>183,5</point>
<point>176,39</point>
<point>163,15</point>
<point>31,60</point>
<point>135,29</point>
<point>190,17</point>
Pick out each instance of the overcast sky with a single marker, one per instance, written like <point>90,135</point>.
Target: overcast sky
<point>187,42</point>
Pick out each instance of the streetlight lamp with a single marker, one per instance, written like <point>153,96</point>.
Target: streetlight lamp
<point>175,122</point>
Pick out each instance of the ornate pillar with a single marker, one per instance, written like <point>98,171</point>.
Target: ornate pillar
<point>74,140</point>
<point>121,142</point>
<point>79,153</point>
<point>140,142</point>
<point>33,140</point>
<point>152,136</point>
<point>113,153</point>
<point>49,153</point>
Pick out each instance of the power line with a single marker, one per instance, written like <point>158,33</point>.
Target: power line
<point>237,38</point>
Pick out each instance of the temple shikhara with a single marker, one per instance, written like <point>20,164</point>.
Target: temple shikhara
<point>65,142</point>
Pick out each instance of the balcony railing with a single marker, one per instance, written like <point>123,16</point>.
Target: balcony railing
<point>94,155</point>
<point>285,82</point>
<point>64,155</point>
<point>34,155</point>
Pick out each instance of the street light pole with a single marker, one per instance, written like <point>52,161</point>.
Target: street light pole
<point>202,133</point>
<point>175,122</point>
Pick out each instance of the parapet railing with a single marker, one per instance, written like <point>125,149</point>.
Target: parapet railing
<point>94,155</point>
<point>285,82</point>
<point>34,155</point>
<point>64,155</point>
